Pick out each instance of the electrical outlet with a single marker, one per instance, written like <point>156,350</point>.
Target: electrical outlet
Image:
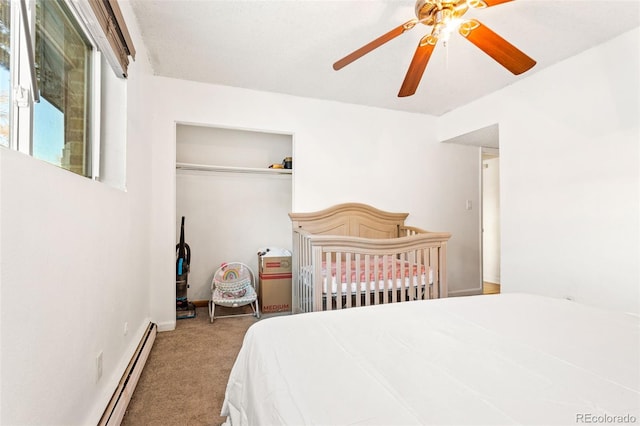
<point>126,328</point>
<point>99,366</point>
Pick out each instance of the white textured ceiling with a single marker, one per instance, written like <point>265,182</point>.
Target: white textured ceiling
<point>289,46</point>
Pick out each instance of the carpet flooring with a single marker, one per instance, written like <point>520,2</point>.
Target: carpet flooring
<point>185,377</point>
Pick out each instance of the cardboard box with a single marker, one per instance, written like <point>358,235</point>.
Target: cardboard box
<point>274,289</point>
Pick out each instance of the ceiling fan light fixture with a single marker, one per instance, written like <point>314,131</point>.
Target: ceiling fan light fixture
<point>449,26</point>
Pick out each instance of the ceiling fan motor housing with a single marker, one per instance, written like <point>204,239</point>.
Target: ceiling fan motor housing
<point>432,12</point>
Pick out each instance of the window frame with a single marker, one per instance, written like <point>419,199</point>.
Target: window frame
<point>21,109</point>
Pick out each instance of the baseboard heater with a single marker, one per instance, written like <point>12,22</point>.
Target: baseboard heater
<point>117,407</point>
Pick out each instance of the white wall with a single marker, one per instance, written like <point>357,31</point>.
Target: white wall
<point>569,175</point>
<point>341,153</point>
<point>229,217</point>
<point>75,256</point>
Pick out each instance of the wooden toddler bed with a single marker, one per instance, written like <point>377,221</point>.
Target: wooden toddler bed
<point>356,255</point>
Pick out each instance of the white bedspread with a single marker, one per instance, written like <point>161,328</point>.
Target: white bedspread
<point>495,359</point>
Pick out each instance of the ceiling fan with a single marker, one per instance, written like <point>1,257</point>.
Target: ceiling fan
<point>445,16</point>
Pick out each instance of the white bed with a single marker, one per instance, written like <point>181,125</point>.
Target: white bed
<point>495,359</point>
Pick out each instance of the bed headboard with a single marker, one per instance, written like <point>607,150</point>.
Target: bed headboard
<point>351,219</point>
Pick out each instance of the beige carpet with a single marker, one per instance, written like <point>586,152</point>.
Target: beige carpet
<point>184,380</point>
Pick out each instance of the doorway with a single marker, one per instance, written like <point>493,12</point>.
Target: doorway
<point>486,139</point>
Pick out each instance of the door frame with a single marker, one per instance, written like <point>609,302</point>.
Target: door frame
<point>485,153</point>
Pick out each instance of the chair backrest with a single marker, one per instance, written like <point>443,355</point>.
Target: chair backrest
<point>233,278</point>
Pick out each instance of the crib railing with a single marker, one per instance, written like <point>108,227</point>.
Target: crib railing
<point>335,272</point>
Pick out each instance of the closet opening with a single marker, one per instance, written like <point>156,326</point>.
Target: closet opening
<point>233,202</point>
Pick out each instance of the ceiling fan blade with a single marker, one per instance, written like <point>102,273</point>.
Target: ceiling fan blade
<point>495,46</point>
<point>374,44</point>
<point>480,4</point>
<point>418,65</point>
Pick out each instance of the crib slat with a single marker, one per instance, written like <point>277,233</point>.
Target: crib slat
<point>309,293</point>
<point>358,281</point>
<point>413,284</point>
<point>398,280</point>
<point>385,279</point>
<point>348,280</point>
<point>307,289</point>
<point>295,273</point>
<point>299,277</point>
<point>424,289</point>
<point>338,257</point>
<point>298,272</point>
<point>435,288</point>
<point>415,270</point>
<point>411,265</point>
<point>367,276</point>
<point>423,285</point>
<point>424,282</point>
<point>407,272</point>
<point>317,279</point>
<point>392,282</point>
<point>327,292</point>
<point>376,272</point>
<point>442,261</point>
<point>400,286</point>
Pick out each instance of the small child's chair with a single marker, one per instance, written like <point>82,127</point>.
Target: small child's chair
<point>234,285</point>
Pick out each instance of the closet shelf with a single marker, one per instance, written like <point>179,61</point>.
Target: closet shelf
<point>231,169</point>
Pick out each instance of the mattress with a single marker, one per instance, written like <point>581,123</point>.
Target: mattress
<point>494,359</point>
<point>399,274</point>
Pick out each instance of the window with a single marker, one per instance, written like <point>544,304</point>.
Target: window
<point>5,71</point>
<point>50,78</point>
<point>61,120</point>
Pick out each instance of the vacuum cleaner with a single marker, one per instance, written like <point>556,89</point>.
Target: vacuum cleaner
<point>184,308</point>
